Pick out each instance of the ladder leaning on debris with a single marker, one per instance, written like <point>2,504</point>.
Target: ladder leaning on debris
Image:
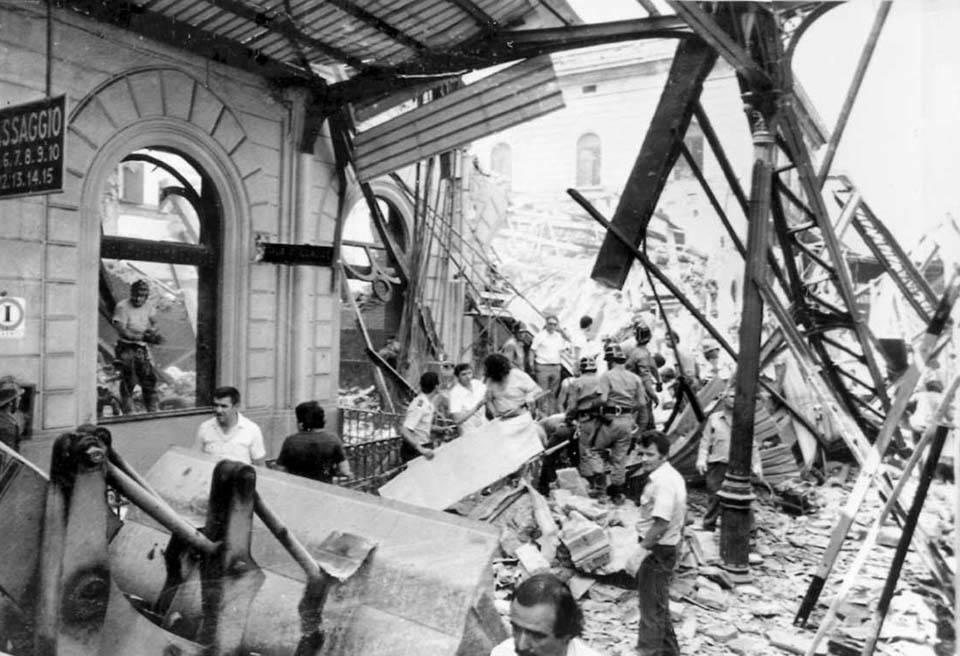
<point>851,577</point>
<point>868,456</point>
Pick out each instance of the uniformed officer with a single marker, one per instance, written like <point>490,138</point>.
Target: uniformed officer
<point>621,395</point>
<point>418,421</point>
<point>640,361</point>
<point>583,407</point>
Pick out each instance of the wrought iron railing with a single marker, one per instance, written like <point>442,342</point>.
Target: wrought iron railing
<point>371,442</point>
<point>358,426</point>
<point>373,463</point>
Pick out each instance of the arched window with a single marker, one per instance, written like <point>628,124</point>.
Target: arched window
<point>160,249</point>
<point>501,161</point>
<point>588,160</point>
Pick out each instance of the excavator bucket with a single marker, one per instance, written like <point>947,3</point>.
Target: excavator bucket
<point>426,587</point>
<point>402,580</point>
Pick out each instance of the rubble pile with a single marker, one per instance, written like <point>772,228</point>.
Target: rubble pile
<point>589,542</point>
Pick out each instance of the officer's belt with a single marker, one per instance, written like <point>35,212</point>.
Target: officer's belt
<point>617,410</point>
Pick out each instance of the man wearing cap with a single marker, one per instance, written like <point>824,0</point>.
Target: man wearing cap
<point>418,421</point>
<point>135,321</point>
<point>621,395</point>
<point>714,368</point>
<point>11,419</point>
<point>547,349</point>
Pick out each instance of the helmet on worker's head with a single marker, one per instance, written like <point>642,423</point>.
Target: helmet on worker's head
<point>642,331</point>
<point>588,364</point>
<point>709,345</point>
<point>614,353</point>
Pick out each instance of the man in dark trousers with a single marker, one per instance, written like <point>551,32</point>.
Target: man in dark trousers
<point>641,362</point>
<point>663,507</point>
<point>312,452</point>
<point>621,395</point>
<point>135,321</point>
<point>583,407</point>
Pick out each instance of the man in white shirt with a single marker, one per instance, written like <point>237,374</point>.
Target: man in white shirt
<point>466,399</point>
<point>663,507</point>
<point>418,421</point>
<point>545,620</point>
<point>229,434</point>
<point>547,347</point>
<point>586,345</point>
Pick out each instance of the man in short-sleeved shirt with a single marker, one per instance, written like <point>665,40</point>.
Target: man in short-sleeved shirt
<point>135,321</point>
<point>312,452</point>
<point>229,434</point>
<point>547,348</point>
<point>415,429</point>
<point>663,507</point>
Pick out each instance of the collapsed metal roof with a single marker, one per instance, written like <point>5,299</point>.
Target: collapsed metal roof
<point>302,36</point>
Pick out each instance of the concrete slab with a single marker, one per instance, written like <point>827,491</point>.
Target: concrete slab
<point>467,464</point>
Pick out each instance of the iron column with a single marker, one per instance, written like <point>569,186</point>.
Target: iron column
<point>736,494</point>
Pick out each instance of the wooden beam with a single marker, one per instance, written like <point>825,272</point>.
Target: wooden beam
<point>680,297</point>
<point>691,65</point>
<point>870,468</point>
<point>906,535</point>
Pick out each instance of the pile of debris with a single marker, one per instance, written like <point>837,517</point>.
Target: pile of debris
<point>589,543</point>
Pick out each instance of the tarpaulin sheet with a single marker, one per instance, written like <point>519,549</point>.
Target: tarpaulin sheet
<point>467,464</point>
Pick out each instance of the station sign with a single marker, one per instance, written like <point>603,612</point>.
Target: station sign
<point>13,311</point>
<point>31,147</point>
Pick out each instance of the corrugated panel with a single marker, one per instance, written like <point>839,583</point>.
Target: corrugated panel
<point>438,24</point>
<point>507,98</point>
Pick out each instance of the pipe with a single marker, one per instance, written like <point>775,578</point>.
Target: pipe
<point>158,509</point>
<point>286,538</point>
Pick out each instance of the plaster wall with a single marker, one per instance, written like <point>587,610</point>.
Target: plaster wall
<point>277,325</point>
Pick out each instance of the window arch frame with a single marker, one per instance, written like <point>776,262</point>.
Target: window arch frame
<point>231,276</point>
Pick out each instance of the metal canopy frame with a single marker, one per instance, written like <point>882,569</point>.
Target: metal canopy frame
<point>787,189</point>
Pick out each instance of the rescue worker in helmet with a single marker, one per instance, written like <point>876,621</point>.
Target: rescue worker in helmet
<point>583,409</point>
<point>622,394</point>
<point>641,362</point>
